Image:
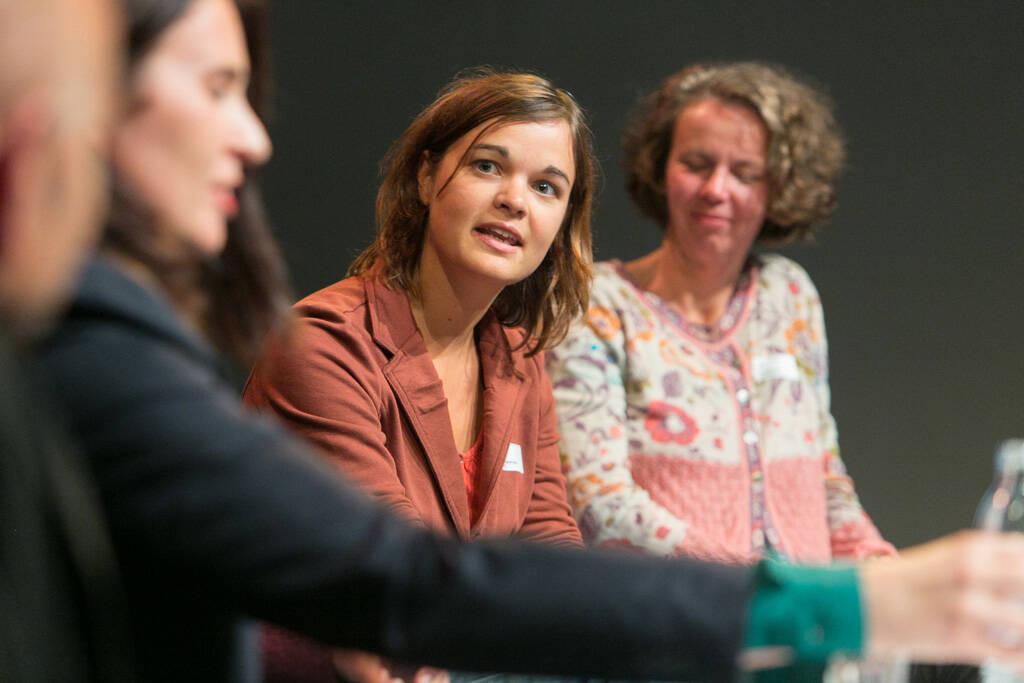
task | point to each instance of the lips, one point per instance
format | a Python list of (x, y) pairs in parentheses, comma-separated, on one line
[(504, 233), (499, 238), (712, 219), (226, 200)]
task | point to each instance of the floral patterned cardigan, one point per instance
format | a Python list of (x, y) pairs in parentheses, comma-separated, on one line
[(710, 441)]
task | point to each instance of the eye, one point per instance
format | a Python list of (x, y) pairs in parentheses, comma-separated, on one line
[(695, 165), (547, 188), (485, 166), (223, 83), (749, 177), (219, 87)]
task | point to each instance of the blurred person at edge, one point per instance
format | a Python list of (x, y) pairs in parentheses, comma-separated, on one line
[(218, 515), (421, 375), (62, 614), (693, 397)]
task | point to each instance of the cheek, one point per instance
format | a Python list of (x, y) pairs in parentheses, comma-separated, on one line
[(755, 203), (553, 223), (679, 187), (169, 147)]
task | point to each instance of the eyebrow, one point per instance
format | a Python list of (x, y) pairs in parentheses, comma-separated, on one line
[(503, 152), (738, 162), (231, 73)]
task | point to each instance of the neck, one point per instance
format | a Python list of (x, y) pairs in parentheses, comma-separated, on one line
[(700, 294), (446, 311)]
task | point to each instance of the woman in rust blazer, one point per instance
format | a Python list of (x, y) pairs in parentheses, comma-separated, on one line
[(421, 375)]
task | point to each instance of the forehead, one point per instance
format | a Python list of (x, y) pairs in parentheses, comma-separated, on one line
[(714, 122), (209, 33), (541, 143)]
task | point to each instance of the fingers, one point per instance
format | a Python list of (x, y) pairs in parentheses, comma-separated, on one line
[(361, 667), (428, 674), (958, 599)]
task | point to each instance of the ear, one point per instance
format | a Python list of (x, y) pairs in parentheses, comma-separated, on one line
[(425, 179)]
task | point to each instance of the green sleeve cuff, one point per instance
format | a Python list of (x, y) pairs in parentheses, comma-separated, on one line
[(815, 611)]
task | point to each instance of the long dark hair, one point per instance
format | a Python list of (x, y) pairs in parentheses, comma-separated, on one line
[(237, 296)]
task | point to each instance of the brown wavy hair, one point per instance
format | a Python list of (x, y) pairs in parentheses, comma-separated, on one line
[(546, 302), (805, 148), (239, 295)]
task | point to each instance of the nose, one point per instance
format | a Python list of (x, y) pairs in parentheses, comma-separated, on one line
[(511, 198), (715, 186), (252, 143)]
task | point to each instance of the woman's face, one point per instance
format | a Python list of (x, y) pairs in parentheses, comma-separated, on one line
[(190, 132), (715, 185), (492, 223)]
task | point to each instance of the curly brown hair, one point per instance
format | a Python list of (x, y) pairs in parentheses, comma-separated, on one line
[(804, 145), (545, 303)]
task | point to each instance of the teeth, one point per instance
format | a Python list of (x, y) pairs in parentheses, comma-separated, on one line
[(502, 235)]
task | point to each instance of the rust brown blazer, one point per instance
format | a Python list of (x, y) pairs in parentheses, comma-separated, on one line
[(355, 378)]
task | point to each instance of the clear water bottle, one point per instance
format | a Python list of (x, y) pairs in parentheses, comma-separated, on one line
[(1002, 509), (841, 669)]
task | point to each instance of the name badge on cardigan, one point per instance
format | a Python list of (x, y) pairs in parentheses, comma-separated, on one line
[(774, 366), (513, 459)]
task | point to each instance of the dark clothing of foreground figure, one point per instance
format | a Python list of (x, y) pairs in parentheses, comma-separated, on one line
[(218, 515), (61, 607)]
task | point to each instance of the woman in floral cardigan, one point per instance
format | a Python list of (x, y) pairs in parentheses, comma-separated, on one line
[(693, 397)]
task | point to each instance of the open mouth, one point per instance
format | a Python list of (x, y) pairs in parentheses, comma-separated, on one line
[(500, 235)]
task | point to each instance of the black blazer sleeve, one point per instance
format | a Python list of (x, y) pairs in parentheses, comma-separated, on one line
[(216, 510)]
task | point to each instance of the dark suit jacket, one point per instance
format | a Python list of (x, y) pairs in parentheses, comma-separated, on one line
[(355, 378), (61, 604), (218, 515)]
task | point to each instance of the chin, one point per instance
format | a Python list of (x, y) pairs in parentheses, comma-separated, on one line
[(211, 238), (503, 277)]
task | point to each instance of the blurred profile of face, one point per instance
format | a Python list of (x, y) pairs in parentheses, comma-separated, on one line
[(715, 186), (61, 183), (190, 131)]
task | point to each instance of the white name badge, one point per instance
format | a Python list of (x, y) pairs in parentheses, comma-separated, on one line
[(513, 459), (774, 366)]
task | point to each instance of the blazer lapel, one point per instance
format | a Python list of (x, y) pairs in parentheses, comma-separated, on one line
[(504, 390), (420, 393)]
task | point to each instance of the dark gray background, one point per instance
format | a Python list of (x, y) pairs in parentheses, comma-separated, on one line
[(920, 270)]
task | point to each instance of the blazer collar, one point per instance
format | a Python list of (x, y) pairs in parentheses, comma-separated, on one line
[(393, 327), (411, 375)]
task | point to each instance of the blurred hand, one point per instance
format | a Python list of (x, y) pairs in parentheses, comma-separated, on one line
[(957, 599), (364, 667), (426, 674)]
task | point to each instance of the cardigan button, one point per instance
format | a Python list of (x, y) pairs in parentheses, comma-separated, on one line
[(742, 395), (750, 437)]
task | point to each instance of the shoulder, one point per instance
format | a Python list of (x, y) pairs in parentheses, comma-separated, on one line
[(115, 327), (333, 319), (345, 300), (329, 342), (783, 278), (778, 268), (609, 285), (614, 302)]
